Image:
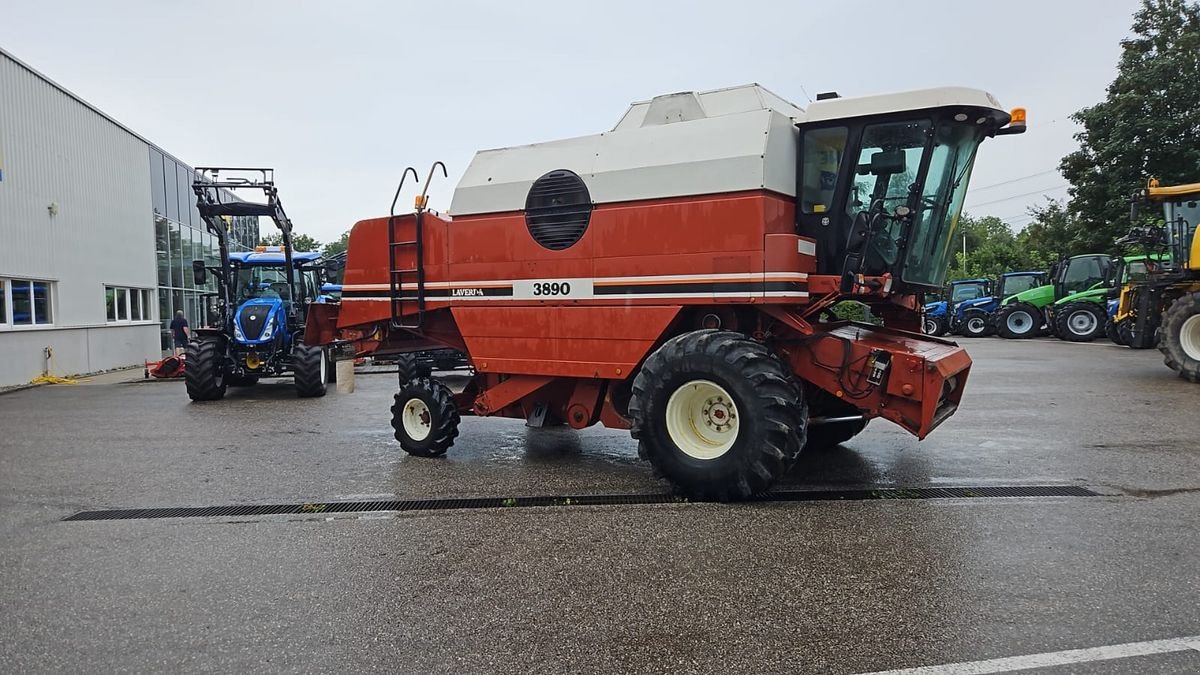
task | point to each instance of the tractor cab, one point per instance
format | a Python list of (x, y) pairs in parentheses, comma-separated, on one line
[(882, 182), (1177, 236), (1019, 282), (940, 314), (1082, 273), (266, 305)]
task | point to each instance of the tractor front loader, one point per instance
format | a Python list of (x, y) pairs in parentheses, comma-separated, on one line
[(667, 277), (263, 296)]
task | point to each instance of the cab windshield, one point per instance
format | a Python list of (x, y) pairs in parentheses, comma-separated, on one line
[(1182, 216), (963, 292), (262, 282), (935, 228), (1020, 284)]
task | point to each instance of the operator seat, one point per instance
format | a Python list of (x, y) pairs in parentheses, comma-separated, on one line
[(282, 290)]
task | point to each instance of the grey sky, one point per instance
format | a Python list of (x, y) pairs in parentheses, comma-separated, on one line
[(340, 96)]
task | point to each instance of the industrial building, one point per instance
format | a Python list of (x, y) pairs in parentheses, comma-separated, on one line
[(98, 228)]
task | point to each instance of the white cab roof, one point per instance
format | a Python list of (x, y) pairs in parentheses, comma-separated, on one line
[(683, 144)]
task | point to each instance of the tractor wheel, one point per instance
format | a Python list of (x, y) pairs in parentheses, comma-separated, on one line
[(204, 375), (409, 369), (1018, 321), (975, 324), (241, 380), (935, 326), (310, 370), (1079, 321), (424, 417), (717, 415), (1116, 332), (1179, 338)]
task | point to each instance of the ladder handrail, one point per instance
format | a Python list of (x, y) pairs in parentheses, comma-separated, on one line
[(396, 282)]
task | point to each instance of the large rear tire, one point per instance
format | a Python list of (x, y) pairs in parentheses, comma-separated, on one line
[(1179, 337), (717, 415), (310, 370), (1079, 321), (1018, 321), (204, 373), (424, 417)]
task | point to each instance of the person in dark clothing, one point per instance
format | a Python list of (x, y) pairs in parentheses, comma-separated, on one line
[(180, 332)]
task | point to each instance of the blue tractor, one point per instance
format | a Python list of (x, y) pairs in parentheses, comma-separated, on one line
[(974, 318), (257, 327), (940, 314)]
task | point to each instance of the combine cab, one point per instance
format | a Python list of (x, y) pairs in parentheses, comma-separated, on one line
[(667, 276)]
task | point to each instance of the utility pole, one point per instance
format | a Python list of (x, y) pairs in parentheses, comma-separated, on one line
[(965, 253)]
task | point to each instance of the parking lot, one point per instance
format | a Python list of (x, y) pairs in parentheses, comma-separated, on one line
[(850, 585)]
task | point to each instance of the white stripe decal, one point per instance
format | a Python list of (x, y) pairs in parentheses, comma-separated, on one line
[(501, 283), (598, 298), (1051, 659)]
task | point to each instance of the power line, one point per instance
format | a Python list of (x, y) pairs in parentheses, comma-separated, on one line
[(1024, 194), (1013, 180)]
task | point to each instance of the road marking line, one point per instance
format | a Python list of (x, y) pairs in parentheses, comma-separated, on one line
[(1050, 659)]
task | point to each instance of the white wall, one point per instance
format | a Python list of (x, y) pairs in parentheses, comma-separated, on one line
[(56, 150)]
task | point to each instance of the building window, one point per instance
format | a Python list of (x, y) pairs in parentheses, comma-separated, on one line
[(123, 305), (26, 302)]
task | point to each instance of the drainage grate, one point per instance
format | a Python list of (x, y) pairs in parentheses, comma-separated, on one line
[(575, 500)]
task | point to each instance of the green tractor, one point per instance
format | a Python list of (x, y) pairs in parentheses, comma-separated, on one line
[(1072, 306)]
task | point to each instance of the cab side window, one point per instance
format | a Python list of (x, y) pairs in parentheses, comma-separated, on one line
[(823, 151)]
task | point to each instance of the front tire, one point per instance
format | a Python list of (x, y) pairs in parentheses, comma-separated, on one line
[(1179, 337), (424, 417), (717, 415), (1079, 321), (935, 326), (204, 372), (1018, 321), (310, 370), (975, 324)]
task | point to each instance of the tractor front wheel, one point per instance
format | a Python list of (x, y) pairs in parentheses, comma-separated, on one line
[(935, 326), (1079, 321), (717, 415), (310, 370), (204, 374), (975, 324), (424, 417), (1179, 338), (1117, 332), (1018, 321)]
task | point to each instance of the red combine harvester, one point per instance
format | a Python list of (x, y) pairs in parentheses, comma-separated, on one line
[(672, 276)]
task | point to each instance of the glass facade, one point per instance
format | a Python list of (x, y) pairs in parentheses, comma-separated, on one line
[(180, 237)]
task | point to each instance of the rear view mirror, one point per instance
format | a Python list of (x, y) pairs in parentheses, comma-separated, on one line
[(199, 272), (888, 162), (850, 272)]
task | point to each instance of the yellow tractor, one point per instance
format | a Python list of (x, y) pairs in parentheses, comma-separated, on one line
[(1163, 307)]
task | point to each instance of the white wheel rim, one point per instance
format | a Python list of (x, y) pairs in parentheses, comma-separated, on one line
[(417, 419), (324, 366), (975, 325), (1082, 322), (1019, 322), (1189, 337), (930, 326), (702, 419)]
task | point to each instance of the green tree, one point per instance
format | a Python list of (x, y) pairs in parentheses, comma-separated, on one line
[(1148, 125), (300, 242), (338, 246)]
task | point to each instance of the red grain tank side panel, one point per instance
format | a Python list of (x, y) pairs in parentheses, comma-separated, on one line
[(568, 341)]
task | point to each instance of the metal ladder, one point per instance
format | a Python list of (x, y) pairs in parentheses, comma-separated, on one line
[(407, 284)]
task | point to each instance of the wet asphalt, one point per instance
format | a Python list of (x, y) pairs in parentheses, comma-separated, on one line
[(821, 586)]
